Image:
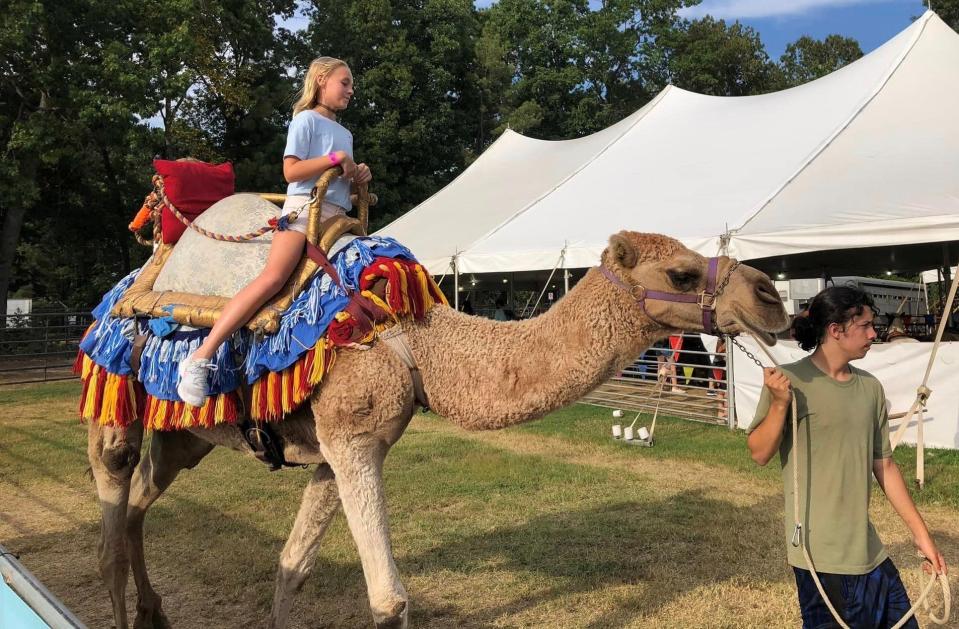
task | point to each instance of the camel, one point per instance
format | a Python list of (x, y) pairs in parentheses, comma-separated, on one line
[(480, 374)]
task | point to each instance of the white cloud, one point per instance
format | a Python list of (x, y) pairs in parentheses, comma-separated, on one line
[(732, 9)]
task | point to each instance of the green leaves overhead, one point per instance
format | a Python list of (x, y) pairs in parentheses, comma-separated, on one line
[(807, 59), (92, 90)]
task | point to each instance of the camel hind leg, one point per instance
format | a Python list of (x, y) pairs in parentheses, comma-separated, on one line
[(320, 503), (113, 453), (167, 455)]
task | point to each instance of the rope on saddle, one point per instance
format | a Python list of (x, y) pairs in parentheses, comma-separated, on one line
[(154, 203)]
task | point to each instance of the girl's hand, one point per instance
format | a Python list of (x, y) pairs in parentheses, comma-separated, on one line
[(362, 174), (778, 385), (347, 164)]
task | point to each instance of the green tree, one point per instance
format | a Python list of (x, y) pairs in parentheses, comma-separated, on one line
[(68, 125), (948, 10), (237, 107), (710, 57), (413, 115), (576, 69), (807, 59), (79, 78)]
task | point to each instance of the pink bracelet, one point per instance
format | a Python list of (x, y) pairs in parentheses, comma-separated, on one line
[(333, 158)]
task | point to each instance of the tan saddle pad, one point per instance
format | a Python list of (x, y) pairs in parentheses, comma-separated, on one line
[(199, 274)]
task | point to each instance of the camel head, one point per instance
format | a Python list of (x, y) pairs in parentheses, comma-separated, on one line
[(672, 284)]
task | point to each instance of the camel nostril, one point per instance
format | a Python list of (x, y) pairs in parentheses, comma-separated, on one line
[(767, 293)]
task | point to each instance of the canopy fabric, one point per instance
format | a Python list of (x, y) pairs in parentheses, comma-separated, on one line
[(888, 177), (865, 156)]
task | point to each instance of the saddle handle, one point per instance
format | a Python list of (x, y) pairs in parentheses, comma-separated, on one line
[(363, 200), (361, 197)]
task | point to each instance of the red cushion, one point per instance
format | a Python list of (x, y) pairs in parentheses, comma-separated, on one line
[(192, 187)]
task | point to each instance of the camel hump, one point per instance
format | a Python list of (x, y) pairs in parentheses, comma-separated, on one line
[(200, 265)]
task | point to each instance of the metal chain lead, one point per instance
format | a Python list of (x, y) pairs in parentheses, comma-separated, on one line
[(748, 353), (725, 280)]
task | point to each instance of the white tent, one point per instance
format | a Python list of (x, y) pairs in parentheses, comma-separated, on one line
[(866, 156)]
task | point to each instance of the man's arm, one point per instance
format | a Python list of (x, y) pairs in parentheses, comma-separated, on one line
[(763, 442), (890, 480)]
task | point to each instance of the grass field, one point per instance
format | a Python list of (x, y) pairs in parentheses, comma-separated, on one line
[(551, 524)]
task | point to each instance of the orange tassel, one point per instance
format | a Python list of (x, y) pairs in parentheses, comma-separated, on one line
[(143, 216)]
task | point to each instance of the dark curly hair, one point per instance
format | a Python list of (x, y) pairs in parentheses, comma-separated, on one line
[(836, 304)]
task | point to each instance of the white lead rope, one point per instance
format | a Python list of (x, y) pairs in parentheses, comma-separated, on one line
[(800, 541)]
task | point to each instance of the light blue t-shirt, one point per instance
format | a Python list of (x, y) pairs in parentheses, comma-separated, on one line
[(312, 135)]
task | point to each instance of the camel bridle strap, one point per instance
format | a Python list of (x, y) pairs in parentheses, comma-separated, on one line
[(706, 299)]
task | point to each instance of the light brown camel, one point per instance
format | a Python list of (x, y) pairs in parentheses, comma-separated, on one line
[(481, 374)]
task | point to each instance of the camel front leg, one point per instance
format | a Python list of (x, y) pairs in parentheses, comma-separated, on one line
[(114, 453), (168, 454), (357, 461), (319, 505)]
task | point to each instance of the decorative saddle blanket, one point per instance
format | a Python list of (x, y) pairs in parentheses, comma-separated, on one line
[(281, 369)]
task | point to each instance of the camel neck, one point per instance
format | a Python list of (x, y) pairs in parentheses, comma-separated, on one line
[(485, 374)]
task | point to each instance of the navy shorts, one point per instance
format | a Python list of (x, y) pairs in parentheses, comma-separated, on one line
[(865, 601)]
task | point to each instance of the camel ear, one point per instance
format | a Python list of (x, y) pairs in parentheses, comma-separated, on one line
[(623, 251)]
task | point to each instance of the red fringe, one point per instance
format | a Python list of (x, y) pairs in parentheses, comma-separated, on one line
[(106, 398), (176, 415), (277, 393), (120, 400)]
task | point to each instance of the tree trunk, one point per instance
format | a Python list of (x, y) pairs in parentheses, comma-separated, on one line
[(123, 238), (9, 239)]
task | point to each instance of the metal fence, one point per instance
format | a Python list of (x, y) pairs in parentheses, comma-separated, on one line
[(695, 383), (40, 347)]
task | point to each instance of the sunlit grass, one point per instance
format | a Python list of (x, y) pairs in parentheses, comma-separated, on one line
[(550, 524)]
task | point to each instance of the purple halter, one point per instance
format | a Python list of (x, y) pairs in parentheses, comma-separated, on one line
[(706, 300)]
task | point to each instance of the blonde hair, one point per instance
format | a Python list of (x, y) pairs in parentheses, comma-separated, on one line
[(320, 68)]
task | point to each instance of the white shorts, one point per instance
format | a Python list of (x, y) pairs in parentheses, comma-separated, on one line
[(296, 201)]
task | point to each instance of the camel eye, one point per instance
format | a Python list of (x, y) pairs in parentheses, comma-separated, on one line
[(683, 280)]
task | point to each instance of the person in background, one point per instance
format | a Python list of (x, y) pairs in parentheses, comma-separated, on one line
[(717, 384)]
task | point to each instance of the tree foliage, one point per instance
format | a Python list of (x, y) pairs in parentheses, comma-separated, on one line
[(91, 91), (807, 59)]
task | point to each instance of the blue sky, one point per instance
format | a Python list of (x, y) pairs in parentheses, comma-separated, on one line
[(871, 22), (779, 22)]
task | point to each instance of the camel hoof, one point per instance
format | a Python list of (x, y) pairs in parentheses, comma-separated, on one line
[(151, 618), (397, 618)]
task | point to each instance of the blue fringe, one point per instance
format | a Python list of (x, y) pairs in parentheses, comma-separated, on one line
[(311, 313), (160, 362), (110, 341)]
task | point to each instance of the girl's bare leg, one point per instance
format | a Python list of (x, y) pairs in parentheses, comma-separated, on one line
[(285, 252)]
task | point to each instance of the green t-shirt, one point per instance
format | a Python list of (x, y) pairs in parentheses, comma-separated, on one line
[(843, 428)]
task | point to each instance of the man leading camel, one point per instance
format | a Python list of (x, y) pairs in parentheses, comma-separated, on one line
[(843, 440)]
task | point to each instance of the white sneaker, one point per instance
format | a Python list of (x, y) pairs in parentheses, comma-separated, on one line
[(192, 387)]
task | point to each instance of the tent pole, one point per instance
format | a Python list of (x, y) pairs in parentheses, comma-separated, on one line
[(456, 284), (565, 271), (733, 421), (947, 281)]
